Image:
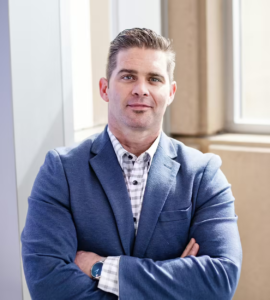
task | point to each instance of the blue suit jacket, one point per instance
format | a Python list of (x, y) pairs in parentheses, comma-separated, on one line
[(80, 202)]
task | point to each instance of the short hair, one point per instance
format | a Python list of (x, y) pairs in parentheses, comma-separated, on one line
[(140, 38)]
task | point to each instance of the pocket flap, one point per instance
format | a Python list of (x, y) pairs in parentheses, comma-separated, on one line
[(175, 215)]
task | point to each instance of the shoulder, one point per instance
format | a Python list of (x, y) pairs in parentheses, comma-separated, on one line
[(70, 159), (79, 151), (193, 159)]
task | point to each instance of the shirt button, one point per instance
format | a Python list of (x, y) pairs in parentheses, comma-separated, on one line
[(135, 182), (130, 157)]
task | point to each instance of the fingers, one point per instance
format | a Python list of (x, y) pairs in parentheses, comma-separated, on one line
[(191, 249), (188, 247), (195, 249)]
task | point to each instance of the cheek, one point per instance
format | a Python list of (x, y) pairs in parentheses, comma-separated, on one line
[(162, 101), (161, 97), (117, 96)]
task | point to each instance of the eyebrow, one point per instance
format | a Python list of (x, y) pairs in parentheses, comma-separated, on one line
[(130, 71)]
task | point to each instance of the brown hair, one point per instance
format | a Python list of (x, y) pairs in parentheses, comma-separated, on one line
[(140, 38)]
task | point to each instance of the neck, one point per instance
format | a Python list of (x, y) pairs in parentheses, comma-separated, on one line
[(135, 141)]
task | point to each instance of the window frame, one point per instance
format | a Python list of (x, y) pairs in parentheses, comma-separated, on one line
[(233, 121)]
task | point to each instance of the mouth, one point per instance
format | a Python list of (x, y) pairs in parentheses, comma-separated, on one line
[(139, 106)]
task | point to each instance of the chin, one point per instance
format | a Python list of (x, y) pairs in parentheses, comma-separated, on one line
[(146, 122), (139, 125)]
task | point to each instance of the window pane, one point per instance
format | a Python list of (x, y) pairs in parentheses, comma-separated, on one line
[(255, 54), (81, 64)]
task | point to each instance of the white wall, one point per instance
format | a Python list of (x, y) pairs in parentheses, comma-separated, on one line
[(37, 91), (10, 272), (33, 116), (37, 88)]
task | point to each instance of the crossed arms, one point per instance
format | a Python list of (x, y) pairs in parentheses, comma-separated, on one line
[(49, 247)]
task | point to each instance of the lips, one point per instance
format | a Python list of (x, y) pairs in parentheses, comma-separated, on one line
[(139, 105)]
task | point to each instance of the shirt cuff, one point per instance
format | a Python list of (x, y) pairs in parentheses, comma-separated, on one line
[(109, 281)]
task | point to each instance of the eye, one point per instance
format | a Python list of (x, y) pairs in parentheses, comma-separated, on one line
[(154, 79), (127, 77)]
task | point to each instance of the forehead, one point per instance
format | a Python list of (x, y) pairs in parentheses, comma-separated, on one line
[(142, 60)]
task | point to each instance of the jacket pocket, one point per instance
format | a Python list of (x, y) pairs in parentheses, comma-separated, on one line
[(175, 215)]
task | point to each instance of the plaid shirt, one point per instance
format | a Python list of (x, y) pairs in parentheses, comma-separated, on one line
[(135, 172)]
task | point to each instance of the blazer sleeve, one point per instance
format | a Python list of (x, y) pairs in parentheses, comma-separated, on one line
[(49, 241), (211, 275)]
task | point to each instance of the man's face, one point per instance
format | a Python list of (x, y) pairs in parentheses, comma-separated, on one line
[(139, 89)]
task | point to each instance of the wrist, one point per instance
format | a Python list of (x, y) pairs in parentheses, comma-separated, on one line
[(96, 269), (85, 260)]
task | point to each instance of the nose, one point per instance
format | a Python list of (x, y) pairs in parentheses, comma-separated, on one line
[(140, 89)]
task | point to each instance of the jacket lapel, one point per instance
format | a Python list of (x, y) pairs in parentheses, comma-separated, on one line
[(109, 173), (160, 178)]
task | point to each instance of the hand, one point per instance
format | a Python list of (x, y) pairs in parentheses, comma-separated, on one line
[(191, 249), (85, 260)]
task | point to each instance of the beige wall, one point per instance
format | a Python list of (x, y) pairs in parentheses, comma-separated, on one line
[(248, 170), (246, 164), (183, 29), (196, 28), (197, 115)]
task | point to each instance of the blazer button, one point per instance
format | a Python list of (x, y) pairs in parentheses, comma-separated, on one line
[(135, 182)]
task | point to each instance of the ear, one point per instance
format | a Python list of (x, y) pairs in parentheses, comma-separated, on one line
[(172, 92), (103, 89)]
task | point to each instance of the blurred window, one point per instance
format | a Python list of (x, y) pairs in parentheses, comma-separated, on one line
[(251, 66), (81, 64), (255, 59), (85, 39)]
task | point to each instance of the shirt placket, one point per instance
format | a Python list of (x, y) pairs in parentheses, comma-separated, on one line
[(138, 179)]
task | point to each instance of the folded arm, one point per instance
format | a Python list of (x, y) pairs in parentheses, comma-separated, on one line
[(49, 241), (215, 272), (109, 280), (49, 246)]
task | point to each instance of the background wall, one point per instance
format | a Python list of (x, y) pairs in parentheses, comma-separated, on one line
[(10, 273), (36, 109), (246, 164), (247, 169), (197, 28), (36, 94), (37, 101)]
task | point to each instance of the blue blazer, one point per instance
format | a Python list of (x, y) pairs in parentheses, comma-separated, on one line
[(79, 201)]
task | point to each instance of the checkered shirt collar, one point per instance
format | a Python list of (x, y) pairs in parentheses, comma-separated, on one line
[(120, 151)]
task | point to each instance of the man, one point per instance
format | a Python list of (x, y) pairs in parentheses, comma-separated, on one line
[(131, 212)]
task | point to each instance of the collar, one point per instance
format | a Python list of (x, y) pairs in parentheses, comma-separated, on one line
[(120, 150)]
